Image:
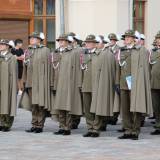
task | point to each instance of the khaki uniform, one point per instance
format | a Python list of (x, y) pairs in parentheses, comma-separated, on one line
[(54, 67), (76, 118), (62, 116), (88, 66), (36, 75), (134, 62), (38, 113), (8, 89), (155, 85), (68, 98), (112, 119), (103, 92)]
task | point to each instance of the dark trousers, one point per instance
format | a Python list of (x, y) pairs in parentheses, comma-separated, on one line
[(131, 120), (64, 120), (93, 121), (156, 106), (6, 120), (38, 114), (75, 120)]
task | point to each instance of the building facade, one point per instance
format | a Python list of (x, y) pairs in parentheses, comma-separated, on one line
[(19, 18)]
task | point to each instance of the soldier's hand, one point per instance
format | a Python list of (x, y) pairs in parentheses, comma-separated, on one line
[(80, 89), (54, 92), (117, 89)]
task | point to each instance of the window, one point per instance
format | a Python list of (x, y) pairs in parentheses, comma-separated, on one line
[(44, 20), (139, 15), (50, 7), (38, 7), (38, 25)]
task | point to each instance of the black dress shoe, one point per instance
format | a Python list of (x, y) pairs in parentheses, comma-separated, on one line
[(103, 129), (152, 117), (59, 132), (95, 135), (142, 123), (74, 127), (38, 130), (66, 133), (125, 136), (1, 128), (121, 130), (113, 122), (5, 129), (88, 134), (134, 137), (31, 130), (156, 132)]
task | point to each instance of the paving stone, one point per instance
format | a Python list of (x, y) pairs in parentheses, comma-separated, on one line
[(19, 145)]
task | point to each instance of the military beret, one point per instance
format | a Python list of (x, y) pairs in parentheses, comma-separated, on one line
[(64, 37), (112, 36), (7, 42), (38, 35), (129, 33), (91, 38)]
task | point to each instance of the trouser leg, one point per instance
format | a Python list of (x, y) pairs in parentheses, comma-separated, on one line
[(126, 114), (136, 123), (87, 98), (75, 121), (97, 124), (115, 117), (38, 114), (35, 116), (7, 121), (68, 121), (41, 116), (156, 106), (143, 117), (64, 120), (104, 123), (34, 111)]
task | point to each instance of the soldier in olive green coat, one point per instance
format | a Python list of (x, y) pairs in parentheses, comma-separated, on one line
[(135, 86), (114, 49), (36, 76), (8, 86), (103, 89), (155, 82), (88, 65), (67, 99), (76, 46)]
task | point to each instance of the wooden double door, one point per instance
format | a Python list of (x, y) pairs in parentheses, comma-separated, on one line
[(15, 29)]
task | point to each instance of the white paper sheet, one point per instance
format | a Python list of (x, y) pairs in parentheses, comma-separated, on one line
[(129, 82)]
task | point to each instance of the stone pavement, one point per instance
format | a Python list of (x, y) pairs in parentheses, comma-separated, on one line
[(18, 145)]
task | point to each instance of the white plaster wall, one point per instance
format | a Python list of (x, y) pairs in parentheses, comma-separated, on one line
[(95, 16), (152, 25)]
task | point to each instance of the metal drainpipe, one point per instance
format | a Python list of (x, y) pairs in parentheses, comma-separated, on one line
[(130, 14), (62, 19)]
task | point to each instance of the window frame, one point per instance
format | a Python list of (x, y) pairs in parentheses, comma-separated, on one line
[(136, 18), (44, 18)]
